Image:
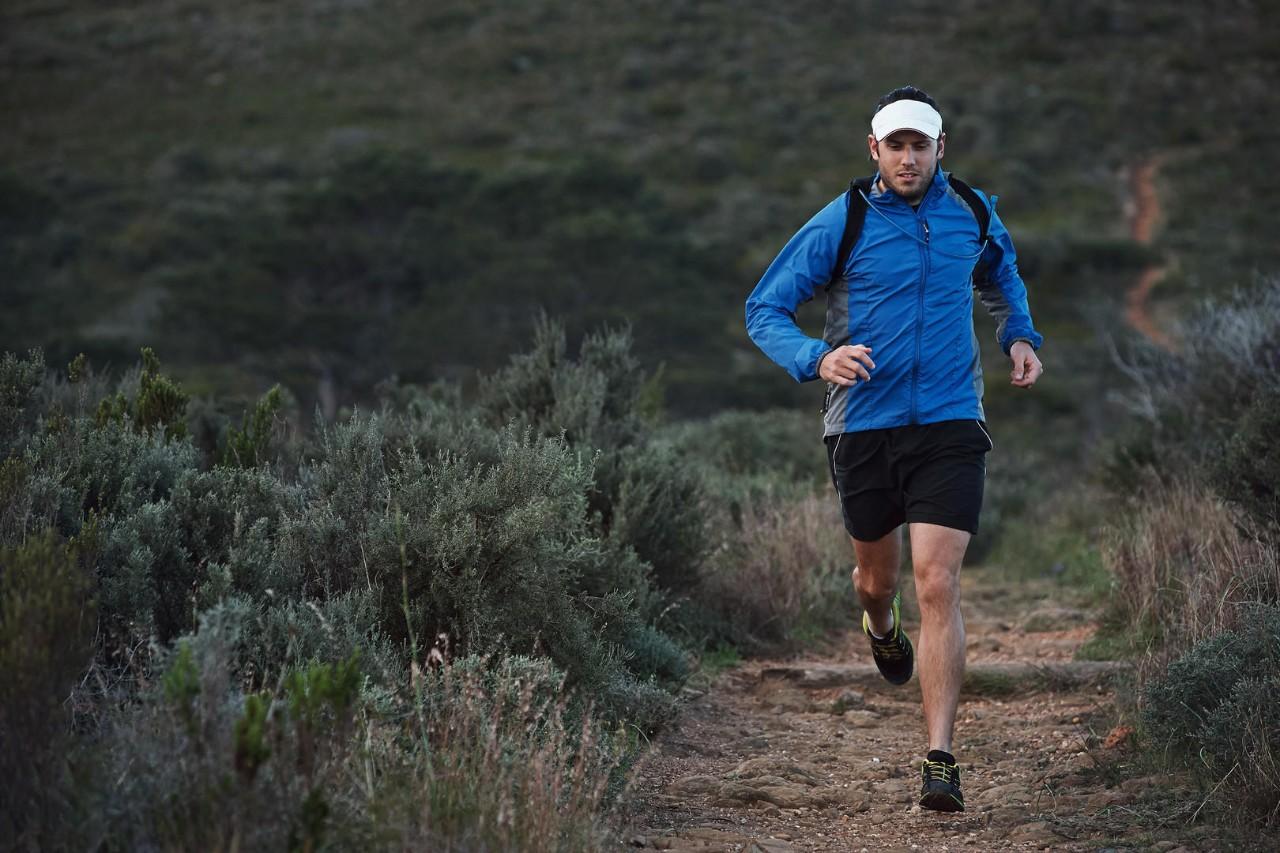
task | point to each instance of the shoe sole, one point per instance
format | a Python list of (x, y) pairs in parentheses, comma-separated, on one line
[(940, 802)]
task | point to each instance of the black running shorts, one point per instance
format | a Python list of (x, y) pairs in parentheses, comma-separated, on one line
[(932, 473)]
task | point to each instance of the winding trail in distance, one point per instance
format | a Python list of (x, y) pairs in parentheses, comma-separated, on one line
[(1146, 212)]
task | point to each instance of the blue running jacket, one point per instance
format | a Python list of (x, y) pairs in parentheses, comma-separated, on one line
[(906, 292)]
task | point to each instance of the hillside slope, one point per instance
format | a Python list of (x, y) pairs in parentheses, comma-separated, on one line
[(329, 192)]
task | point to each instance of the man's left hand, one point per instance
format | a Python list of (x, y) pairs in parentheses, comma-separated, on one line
[(1026, 366)]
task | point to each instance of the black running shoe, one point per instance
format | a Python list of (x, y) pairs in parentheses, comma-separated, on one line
[(941, 791), (893, 655)]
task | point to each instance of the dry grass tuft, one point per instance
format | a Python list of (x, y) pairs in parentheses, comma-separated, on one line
[(789, 553), (1183, 566), (500, 762)]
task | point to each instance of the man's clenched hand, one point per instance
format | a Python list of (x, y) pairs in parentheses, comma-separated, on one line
[(846, 365), (1026, 366)]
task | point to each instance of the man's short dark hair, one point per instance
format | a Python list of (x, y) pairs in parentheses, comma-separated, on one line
[(905, 93)]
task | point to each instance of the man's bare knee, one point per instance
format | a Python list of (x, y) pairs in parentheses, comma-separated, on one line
[(874, 584), (937, 589)]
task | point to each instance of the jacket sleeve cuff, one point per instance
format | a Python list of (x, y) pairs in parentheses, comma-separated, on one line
[(1032, 337), (806, 360)]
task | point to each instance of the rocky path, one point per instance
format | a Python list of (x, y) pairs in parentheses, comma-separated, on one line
[(820, 754)]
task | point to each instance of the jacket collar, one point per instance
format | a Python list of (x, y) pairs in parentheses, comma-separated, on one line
[(887, 196)]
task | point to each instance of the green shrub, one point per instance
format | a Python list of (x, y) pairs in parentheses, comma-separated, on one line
[(159, 403), (199, 765), (1241, 740), (20, 378), (643, 495), (77, 466), (650, 499), (166, 558), (46, 634), (489, 537), (473, 753), (654, 654), (329, 630), (734, 447), (229, 521), (248, 445), (592, 399), (1189, 403), (1213, 710), (230, 596), (342, 500), (492, 553), (508, 541), (1248, 471), (15, 499)]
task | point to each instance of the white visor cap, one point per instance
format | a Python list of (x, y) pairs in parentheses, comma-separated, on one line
[(906, 115)]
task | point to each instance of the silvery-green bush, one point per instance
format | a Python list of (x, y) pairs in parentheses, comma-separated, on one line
[(1213, 710), (547, 520), (1187, 404)]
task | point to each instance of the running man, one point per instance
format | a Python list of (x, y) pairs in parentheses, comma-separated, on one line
[(899, 257)]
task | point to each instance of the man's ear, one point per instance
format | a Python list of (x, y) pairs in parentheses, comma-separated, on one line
[(873, 149), (942, 143)]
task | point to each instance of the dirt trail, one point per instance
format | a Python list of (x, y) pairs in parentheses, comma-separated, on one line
[(823, 755), (1144, 214)]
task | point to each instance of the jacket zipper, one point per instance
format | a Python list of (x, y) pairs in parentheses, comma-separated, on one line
[(924, 273)]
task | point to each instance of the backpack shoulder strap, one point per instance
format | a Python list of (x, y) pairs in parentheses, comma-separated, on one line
[(975, 203), (856, 203)]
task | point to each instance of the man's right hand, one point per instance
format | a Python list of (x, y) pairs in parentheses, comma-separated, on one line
[(846, 365)]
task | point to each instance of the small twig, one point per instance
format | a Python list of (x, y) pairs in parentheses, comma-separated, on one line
[(1046, 787), (640, 731), (1209, 796)]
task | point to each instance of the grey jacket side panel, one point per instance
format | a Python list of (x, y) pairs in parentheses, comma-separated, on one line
[(992, 299), (836, 334), (975, 368)]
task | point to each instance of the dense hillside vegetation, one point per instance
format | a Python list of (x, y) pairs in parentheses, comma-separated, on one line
[(490, 603), (323, 192), (459, 458)]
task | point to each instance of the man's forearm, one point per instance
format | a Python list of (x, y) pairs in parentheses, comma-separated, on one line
[(775, 332)]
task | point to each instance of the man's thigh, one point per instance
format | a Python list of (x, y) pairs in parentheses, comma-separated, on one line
[(935, 547)]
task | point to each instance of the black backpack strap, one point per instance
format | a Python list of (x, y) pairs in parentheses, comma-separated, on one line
[(975, 203), (856, 203)]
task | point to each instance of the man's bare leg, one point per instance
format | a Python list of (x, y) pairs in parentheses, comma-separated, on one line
[(875, 578), (936, 553)]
